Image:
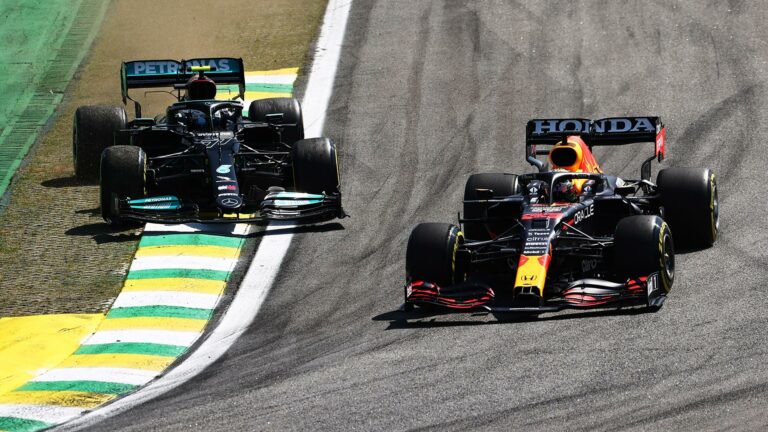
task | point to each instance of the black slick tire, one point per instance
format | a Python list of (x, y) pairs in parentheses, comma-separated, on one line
[(93, 129), (315, 166), (501, 185), (431, 253), (123, 174), (290, 108), (643, 245), (689, 198)]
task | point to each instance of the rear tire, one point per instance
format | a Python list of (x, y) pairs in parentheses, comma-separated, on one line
[(502, 185), (431, 253), (643, 245), (291, 110), (315, 166), (123, 174), (689, 198), (93, 130)]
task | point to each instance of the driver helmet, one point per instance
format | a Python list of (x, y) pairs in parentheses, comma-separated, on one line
[(200, 88), (566, 156), (565, 191)]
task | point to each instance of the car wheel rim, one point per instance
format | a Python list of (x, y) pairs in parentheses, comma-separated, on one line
[(669, 258)]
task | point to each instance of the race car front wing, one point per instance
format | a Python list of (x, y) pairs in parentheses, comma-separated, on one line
[(302, 208), (580, 294)]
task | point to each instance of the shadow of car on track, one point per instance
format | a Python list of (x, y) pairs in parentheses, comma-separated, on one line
[(105, 233), (398, 319), (693, 249), (63, 182)]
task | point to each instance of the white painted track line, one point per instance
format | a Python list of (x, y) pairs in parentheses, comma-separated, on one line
[(44, 413), (166, 298), (272, 249), (153, 262), (323, 73), (167, 337), (106, 374)]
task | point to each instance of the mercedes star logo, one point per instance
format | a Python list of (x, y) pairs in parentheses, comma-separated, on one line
[(230, 202)]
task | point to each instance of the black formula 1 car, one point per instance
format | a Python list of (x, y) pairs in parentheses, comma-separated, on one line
[(568, 236), (203, 160)]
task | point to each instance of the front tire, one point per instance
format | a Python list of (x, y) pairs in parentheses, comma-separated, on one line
[(431, 253), (93, 130), (123, 174), (315, 166), (689, 198), (643, 245), (290, 108), (502, 185)]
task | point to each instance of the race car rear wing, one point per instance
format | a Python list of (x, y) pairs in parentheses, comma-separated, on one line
[(603, 132), (172, 73)]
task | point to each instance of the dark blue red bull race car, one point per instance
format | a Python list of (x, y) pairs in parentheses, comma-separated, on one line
[(203, 160), (568, 235)]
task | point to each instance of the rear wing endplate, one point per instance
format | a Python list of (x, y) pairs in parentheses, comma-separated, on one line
[(603, 132), (168, 73)]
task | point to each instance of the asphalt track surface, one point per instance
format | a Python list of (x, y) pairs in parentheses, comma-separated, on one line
[(429, 92)]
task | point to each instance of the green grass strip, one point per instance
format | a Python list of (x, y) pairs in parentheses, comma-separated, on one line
[(160, 311), (218, 275), (79, 386), (42, 48), (269, 88), (190, 240), (15, 424), (133, 348)]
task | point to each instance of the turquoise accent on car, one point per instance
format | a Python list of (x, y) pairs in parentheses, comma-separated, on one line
[(295, 203), (167, 202), (296, 195)]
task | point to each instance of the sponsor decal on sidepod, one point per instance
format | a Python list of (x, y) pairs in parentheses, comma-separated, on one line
[(584, 213)]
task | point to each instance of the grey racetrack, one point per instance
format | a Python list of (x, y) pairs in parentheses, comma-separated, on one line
[(429, 92)]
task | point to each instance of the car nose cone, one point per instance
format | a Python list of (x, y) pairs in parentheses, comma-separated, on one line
[(230, 202)]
